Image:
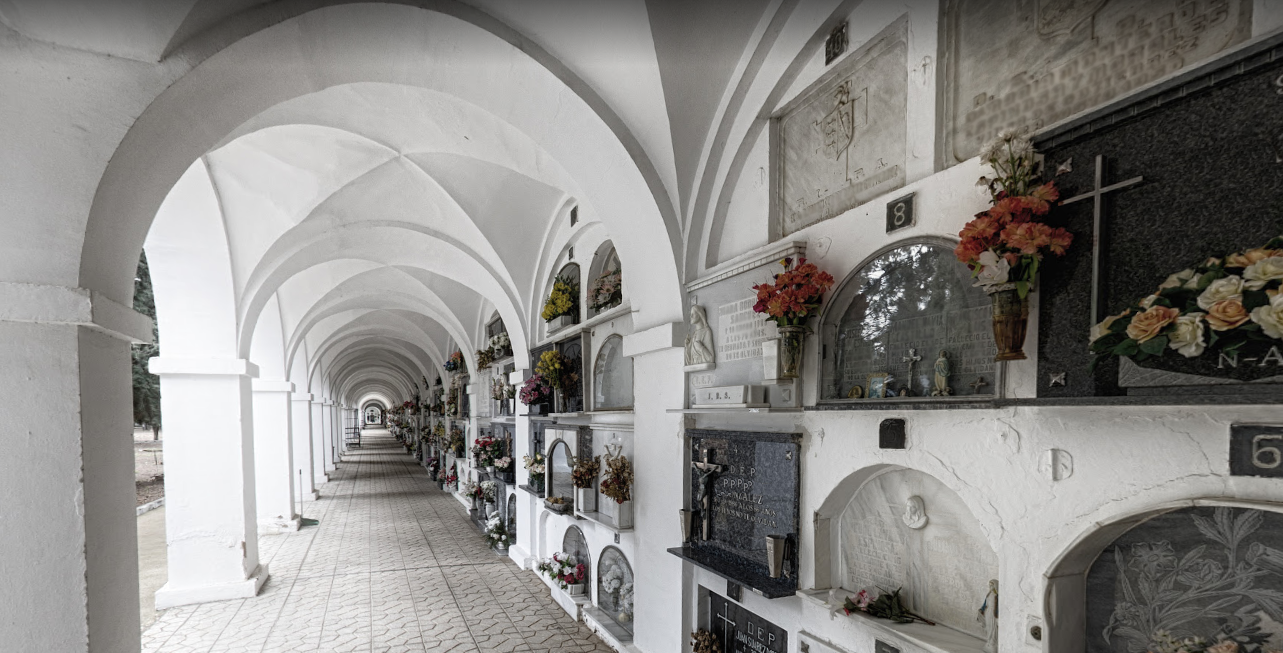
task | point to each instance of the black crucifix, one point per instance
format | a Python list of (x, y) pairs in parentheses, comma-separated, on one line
[(1097, 195), (705, 496)]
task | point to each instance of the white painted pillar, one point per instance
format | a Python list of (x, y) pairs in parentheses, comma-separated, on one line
[(320, 447), (301, 433), (327, 432), (273, 456), (211, 522), (68, 536)]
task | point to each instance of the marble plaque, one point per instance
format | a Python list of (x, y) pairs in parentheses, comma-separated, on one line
[(741, 332), (748, 395), (938, 555), (1012, 63), (1206, 572), (842, 143), (741, 631), (916, 297)]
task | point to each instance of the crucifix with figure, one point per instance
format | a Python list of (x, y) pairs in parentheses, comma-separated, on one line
[(707, 470), (1097, 196), (911, 359)]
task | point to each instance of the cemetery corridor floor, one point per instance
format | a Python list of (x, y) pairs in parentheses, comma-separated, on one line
[(394, 566)]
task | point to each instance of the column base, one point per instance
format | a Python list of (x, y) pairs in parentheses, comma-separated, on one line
[(276, 526), (321, 479), (311, 496), (172, 597)]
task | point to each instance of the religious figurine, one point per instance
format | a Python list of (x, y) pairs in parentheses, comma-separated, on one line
[(699, 342), (988, 615), (915, 513), (904, 391), (942, 388), (911, 359), (703, 495)]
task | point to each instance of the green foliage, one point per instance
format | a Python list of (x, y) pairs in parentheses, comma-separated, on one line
[(146, 386)]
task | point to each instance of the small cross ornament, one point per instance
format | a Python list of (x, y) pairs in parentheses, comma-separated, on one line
[(980, 382)]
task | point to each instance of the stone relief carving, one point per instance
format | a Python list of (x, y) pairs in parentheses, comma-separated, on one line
[(915, 513), (699, 342)]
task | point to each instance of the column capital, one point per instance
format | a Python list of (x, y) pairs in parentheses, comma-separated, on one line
[(262, 385), (303, 396), (62, 305), (163, 365), (670, 335)]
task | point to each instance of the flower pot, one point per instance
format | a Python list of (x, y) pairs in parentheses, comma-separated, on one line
[(490, 469), (501, 549), (489, 509), (619, 513), (791, 340), (560, 322), (537, 484), (575, 590), (586, 499), (1010, 322)]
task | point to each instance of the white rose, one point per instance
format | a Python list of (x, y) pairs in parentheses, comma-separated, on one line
[(1188, 336), (1148, 301), (1270, 317), (1177, 280), (1230, 287), (1263, 271), (994, 269)]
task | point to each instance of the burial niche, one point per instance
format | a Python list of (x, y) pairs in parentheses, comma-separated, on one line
[(908, 323), (1208, 572), (612, 376), (905, 529), (512, 517), (560, 465), (574, 543), (605, 290), (615, 587)]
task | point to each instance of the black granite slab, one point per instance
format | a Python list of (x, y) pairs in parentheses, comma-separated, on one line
[(741, 631), (1209, 144), (747, 575)]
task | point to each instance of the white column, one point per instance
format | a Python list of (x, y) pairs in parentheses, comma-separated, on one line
[(68, 536), (320, 447), (301, 433), (211, 523), (273, 456)]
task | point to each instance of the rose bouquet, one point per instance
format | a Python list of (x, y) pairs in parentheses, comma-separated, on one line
[(585, 471), (795, 294), (1226, 304), (564, 569), (455, 363), (484, 449), (452, 477), (502, 464), (535, 391), (607, 291), (1005, 244), (563, 300), (496, 533), (618, 481), (888, 605)]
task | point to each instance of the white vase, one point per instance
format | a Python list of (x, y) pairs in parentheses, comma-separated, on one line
[(490, 469), (619, 513), (559, 323), (586, 498), (575, 590)]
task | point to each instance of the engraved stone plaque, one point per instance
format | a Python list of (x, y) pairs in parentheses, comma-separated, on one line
[(842, 142), (943, 567), (1009, 64), (741, 631), (916, 297)]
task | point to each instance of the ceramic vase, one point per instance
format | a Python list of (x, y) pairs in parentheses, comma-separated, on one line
[(1010, 322), (586, 499), (575, 590)]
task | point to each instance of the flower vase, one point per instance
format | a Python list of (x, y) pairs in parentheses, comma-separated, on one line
[(586, 497), (792, 339), (490, 470), (1010, 322), (489, 509), (558, 400), (575, 590), (537, 484)]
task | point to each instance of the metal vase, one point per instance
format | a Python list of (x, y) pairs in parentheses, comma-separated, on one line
[(688, 520), (1010, 323), (791, 341), (775, 546)]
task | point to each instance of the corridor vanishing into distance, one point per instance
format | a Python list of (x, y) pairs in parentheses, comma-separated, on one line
[(394, 566)]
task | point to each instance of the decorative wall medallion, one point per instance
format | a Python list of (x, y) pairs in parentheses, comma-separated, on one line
[(915, 513), (1056, 464)]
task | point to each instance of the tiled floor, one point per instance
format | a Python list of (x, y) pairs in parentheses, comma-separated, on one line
[(394, 566)]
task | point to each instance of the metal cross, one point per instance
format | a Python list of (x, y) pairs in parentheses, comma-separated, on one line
[(725, 623), (1097, 195), (707, 470), (911, 359)]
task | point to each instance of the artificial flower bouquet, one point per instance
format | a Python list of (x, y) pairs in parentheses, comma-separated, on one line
[(455, 363), (487, 491), (486, 450), (1225, 305), (1006, 244), (484, 358), (563, 300), (795, 294), (503, 464), (585, 472), (535, 391), (534, 467), (618, 480), (607, 291), (501, 344), (556, 370), (564, 569), (496, 533), (887, 605)]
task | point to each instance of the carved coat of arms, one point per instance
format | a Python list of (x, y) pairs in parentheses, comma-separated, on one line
[(838, 125)]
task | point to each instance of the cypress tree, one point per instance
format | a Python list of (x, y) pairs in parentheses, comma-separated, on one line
[(146, 384)]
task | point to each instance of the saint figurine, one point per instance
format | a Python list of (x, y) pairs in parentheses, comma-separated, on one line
[(988, 615), (699, 342), (942, 388)]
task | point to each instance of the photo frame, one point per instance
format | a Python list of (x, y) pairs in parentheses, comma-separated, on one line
[(856, 392), (876, 388)]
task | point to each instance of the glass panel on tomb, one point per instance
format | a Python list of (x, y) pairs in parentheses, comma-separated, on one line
[(612, 376)]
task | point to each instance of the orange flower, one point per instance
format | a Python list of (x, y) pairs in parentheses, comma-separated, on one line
[(1145, 326), (1226, 314)]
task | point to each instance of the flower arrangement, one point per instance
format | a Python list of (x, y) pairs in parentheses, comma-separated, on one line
[(794, 295), (585, 471), (1004, 244), (535, 391), (888, 605), (455, 363), (1225, 304), (703, 641), (501, 344), (554, 368), (453, 476), (456, 440), (484, 358), (452, 402), (563, 300), (487, 491), (615, 582), (564, 569), (502, 464), (618, 481), (501, 390), (534, 467), (486, 450), (1164, 642), (470, 490), (607, 291), (496, 533)]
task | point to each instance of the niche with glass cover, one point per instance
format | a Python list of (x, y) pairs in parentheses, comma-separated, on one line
[(615, 587), (612, 376), (909, 322)]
